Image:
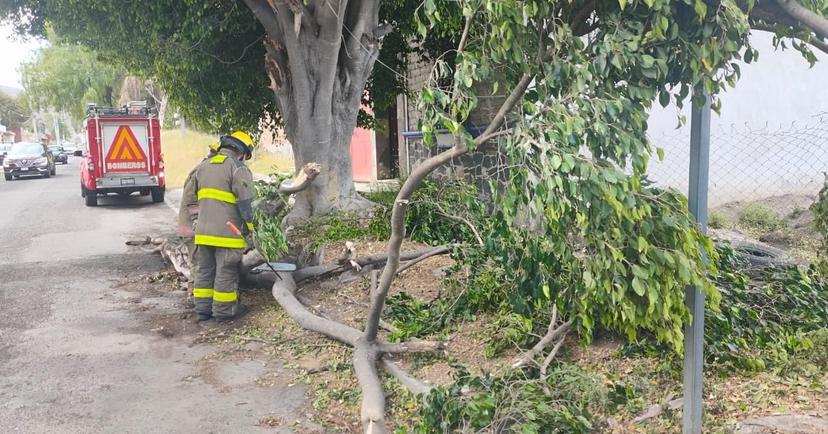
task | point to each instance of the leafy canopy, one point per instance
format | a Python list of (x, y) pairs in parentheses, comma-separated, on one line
[(208, 56)]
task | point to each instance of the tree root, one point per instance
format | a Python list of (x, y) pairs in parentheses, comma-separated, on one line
[(413, 385)]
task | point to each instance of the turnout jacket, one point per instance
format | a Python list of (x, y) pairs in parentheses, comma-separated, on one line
[(188, 211), (223, 189)]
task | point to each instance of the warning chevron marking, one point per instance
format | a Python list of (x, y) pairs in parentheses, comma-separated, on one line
[(125, 153)]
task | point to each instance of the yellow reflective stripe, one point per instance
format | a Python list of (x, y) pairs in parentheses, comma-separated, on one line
[(202, 293), (214, 241), (250, 226), (225, 297), (218, 159), (214, 193)]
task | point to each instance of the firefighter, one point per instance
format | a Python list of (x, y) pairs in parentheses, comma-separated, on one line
[(223, 186), (187, 218)]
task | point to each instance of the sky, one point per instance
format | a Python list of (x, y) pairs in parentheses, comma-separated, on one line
[(14, 52)]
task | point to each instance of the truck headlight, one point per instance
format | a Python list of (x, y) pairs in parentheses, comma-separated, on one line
[(41, 160)]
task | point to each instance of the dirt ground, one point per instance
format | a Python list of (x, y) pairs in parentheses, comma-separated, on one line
[(797, 236)]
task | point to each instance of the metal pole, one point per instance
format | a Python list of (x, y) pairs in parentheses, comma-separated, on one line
[(694, 332)]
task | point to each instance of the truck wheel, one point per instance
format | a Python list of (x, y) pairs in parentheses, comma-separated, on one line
[(8, 177), (91, 198), (54, 170), (157, 194), (47, 175)]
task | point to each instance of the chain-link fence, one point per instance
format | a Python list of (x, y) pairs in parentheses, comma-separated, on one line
[(750, 163)]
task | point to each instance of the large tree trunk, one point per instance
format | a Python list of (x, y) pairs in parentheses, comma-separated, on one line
[(319, 56), (326, 139)]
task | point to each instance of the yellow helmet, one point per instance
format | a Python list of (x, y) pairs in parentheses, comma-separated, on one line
[(240, 142)]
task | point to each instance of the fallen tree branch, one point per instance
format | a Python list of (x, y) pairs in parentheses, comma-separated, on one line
[(365, 357), (317, 271), (372, 412), (656, 410), (415, 261), (411, 347), (553, 333), (551, 356), (283, 292), (414, 385)]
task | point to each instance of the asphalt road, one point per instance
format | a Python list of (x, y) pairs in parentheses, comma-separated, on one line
[(78, 351)]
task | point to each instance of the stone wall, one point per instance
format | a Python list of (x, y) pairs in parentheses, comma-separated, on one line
[(478, 167)]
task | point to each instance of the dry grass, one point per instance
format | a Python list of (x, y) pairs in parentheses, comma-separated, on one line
[(184, 149)]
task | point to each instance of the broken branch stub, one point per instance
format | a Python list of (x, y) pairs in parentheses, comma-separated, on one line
[(302, 180)]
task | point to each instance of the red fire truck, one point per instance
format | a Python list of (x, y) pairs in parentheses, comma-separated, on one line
[(124, 153)]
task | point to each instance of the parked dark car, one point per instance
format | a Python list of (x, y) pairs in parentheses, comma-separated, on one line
[(25, 159), (61, 156), (4, 149)]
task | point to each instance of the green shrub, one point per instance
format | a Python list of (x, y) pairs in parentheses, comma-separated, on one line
[(760, 218), (717, 220)]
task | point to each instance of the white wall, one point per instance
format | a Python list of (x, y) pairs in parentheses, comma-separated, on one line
[(771, 137)]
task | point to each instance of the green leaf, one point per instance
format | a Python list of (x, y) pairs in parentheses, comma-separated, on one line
[(700, 7), (642, 244), (637, 286), (664, 98), (660, 153), (622, 3)]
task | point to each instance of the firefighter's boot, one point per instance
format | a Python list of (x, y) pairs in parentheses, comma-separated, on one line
[(240, 311)]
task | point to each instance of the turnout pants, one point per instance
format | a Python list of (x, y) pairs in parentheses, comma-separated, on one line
[(217, 280), (190, 243)]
